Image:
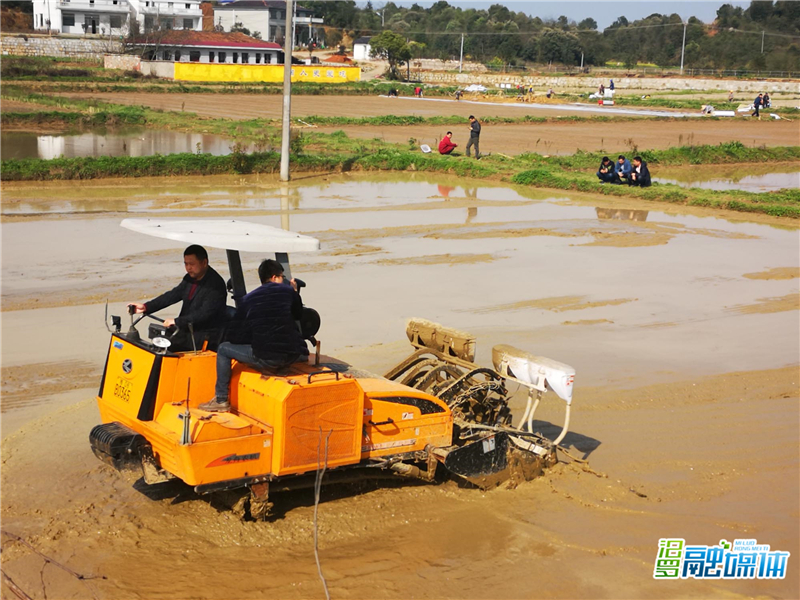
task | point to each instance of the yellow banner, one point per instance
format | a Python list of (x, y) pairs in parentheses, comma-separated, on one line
[(193, 71)]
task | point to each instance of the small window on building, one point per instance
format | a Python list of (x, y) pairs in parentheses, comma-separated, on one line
[(170, 5), (188, 24), (68, 20), (115, 2), (91, 2), (115, 21), (188, 6), (223, 57), (166, 55), (194, 56), (235, 57), (258, 57), (177, 56), (211, 57), (245, 58)]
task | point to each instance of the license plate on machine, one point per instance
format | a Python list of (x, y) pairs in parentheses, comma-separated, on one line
[(122, 389)]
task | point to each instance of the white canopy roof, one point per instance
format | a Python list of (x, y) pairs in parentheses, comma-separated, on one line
[(227, 234)]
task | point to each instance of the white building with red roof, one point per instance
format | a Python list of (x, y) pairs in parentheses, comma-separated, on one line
[(209, 47)]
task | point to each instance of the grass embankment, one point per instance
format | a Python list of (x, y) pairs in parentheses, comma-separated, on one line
[(576, 173), (317, 152)]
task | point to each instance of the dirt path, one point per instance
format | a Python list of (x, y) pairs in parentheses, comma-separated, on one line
[(546, 138)]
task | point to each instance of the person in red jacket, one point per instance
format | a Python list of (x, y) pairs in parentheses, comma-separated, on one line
[(446, 146)]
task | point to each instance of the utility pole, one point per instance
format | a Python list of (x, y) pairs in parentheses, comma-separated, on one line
[(286, 127), (762, 42), (461, 60), (683, 46), (581, 61)]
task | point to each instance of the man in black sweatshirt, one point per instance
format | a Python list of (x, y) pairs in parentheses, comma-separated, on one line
[(263, 333), (204, 296)]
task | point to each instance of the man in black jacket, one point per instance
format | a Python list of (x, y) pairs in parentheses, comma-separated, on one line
[(640, 175), (263, 333), (204, 297), (474, 136)]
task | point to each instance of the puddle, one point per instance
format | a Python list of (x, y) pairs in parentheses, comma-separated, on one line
[(750, 178), (512, 265), (144, 142)]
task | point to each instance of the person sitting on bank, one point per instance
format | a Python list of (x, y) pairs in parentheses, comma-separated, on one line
[(204, 295), (623, 169), (641, 174), (263, 333), (446, 146), (606, 172)]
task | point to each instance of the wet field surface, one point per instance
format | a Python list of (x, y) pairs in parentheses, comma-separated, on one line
[(681, 323)]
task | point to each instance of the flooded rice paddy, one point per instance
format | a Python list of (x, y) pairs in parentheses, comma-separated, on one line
[(682, 325), (751, 178), (139, 142)]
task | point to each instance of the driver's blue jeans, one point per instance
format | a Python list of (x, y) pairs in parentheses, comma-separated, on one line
[(242, 353)]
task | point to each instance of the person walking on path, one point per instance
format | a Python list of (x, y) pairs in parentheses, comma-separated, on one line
[(474, 136), (757, 104)]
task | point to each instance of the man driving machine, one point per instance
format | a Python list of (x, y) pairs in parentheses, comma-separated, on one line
[(203, 293)]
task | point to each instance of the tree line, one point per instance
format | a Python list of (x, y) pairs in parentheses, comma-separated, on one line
[(504, 37)]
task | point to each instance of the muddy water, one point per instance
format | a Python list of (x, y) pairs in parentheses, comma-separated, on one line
[(657, 312), (751, 178), (140, 142)]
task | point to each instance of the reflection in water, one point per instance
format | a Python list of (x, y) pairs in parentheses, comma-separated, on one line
[(444, 191), (621, 214), (22, 144)]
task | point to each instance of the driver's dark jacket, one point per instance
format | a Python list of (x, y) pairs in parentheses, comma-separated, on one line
[(265, 319), (206, 309)]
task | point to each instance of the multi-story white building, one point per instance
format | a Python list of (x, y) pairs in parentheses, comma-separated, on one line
[(90, 17), (166, 14), (115, 17), (267, 18)]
